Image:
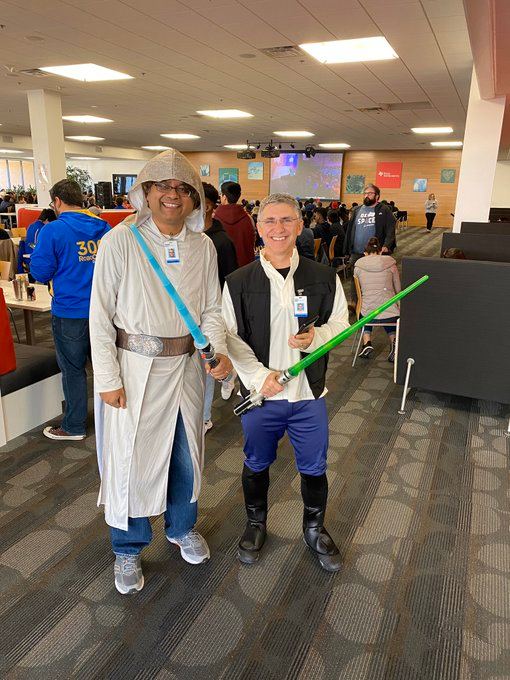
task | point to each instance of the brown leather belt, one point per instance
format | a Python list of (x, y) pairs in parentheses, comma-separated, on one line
[(153, 346)]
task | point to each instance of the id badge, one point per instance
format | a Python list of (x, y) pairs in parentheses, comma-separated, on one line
[(171, 252), (300, 305)]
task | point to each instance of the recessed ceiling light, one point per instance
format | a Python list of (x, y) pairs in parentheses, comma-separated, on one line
[(238, 146), (180, 135), (293, 133), (446, 143), (87, 73), (346, 51), (9, 151), (226, 113), (87, 119), (28, 158), (83, 158), (333, 145), (156, 148), (85, 138), (432, 130)]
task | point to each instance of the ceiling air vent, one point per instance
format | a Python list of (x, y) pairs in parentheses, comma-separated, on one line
[(372, 109), (36, 72), (8, 139), (99, 149), (284, 52), (398, 106)]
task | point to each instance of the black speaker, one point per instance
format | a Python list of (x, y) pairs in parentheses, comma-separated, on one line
[(104, 194)]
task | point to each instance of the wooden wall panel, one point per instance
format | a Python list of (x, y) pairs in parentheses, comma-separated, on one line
[(415, 164)]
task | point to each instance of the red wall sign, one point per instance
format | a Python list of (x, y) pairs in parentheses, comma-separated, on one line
[(388, 175)]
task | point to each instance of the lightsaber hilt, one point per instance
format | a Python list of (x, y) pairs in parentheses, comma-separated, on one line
[(209, 357), (256, 399)]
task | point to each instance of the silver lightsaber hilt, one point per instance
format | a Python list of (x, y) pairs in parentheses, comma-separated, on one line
[(256, 399)]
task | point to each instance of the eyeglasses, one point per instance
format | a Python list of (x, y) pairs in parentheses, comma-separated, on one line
[(369, 193), (180, 190), (286, 221)]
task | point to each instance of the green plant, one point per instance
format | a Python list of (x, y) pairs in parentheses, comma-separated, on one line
[(81, 176)]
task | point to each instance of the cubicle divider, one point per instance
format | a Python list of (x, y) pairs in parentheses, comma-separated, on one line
[(485, 227), (487, 247), (455, 328)]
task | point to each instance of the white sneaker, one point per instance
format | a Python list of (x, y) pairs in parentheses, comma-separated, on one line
[(194, 548), (227, 387), (207, 426), (128, 574)]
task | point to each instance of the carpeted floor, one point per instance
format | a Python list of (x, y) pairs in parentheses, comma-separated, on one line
[(419, 506)]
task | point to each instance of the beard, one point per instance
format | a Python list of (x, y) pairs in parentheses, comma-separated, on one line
[(369, 201)]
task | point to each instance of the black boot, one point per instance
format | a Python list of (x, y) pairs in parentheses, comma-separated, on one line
[(314, 491), (255, 486)]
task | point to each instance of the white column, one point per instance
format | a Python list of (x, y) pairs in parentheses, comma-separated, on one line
[(47, 141), (479, 157)]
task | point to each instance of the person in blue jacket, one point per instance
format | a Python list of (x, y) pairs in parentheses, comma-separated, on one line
[(65, 254), (27, 245)]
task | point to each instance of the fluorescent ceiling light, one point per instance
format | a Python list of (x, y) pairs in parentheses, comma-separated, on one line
[(293, 133), (83, 158), (333, 145), (87, 73), (180, 135), (85, 138), (238, 146), (156, 148), (346, 51), (28, 158), (87, 119), (226, 113), (432, 130), (9, 151), (446, 143)]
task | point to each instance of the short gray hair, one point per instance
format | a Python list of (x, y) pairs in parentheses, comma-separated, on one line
[(286, 199)]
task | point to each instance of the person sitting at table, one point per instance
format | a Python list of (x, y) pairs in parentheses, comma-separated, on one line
[(4, 234)]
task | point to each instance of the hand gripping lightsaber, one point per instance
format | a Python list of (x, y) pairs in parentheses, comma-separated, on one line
[(256, 399), (201, 341)]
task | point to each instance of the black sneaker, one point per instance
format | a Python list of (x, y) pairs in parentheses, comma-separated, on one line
[(391, 355), (366, 350)]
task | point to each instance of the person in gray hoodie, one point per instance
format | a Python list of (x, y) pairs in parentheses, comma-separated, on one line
[(379, 281)]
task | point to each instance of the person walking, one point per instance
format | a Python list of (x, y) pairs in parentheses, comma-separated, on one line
[(431, 206)]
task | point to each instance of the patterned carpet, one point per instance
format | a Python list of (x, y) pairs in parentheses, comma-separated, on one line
[(419, 506)]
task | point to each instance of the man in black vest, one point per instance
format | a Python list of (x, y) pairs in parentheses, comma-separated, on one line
[(264, 305)]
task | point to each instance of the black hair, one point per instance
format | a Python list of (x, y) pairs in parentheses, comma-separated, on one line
[(322, 211), (333, 217), (373, 246), (68, 191), (232, 190), (47, 214), (211, 193), (119, 200)]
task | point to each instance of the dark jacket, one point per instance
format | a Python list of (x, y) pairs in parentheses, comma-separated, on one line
[(250, 291), (384, 228), (238, 225), (225, 249), (305, 243)]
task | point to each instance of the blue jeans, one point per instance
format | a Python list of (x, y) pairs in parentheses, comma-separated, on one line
[(306, 423), (180, 514), (72, 344)]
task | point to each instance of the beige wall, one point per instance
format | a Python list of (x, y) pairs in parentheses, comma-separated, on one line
[(416, 164)]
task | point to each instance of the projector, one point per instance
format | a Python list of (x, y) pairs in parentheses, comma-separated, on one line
[(246, 154), (270, 152)]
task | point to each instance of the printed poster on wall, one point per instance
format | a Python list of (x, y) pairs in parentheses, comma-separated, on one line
[(355, 184), (388, 175), (228, 175), (448, 176), (420, 184), (256, 170), (205, 170)]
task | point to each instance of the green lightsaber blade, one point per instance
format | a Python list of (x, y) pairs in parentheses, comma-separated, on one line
[(324, 349), (256, 399)]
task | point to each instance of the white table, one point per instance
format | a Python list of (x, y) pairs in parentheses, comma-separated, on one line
[(42, 303)]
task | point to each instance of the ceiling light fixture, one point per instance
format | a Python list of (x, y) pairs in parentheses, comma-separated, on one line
[(335, 145), (83, 158), (87, 73), (156, 148), (446, 143), (85, 138), (87, 119), (348, 51), (432, 130), (10, 151), (179, 135), (226, 113), (237, 147), (293, 133)]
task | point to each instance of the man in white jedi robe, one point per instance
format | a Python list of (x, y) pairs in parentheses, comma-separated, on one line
[(146, 371)]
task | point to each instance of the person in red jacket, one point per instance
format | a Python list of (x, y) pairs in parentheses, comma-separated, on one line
[(237, 223)]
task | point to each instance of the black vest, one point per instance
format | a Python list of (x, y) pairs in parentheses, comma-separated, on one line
[(249, 288)]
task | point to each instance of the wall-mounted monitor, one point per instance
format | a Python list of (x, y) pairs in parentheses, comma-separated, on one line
[(317, 177), (123, 183)]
